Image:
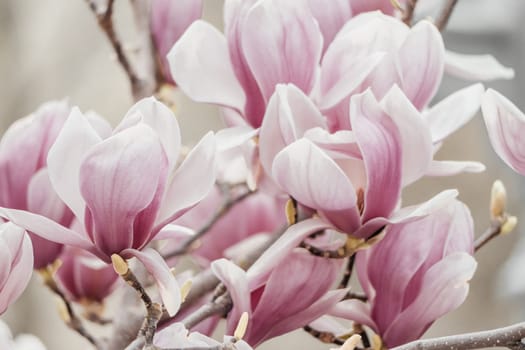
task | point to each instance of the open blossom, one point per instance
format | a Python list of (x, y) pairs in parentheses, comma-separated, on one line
[(84, 277), (16, 263), (416, 274), (125, 188), (279, 295), (24, 179), (505, 125), (169, 19), (21, 342)]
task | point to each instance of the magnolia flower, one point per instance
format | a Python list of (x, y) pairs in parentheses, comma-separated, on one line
[(178, 336), (124, 189), (24, 179), (281, 295), (505, 123), (21, 342), (169, 19), (416, 274), (16, 263), (84, 277)]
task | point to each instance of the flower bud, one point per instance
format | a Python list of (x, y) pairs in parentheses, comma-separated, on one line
[(498, 200)]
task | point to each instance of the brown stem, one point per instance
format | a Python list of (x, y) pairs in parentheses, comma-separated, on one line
[(70, 317), (442, 21), (348, 273), (509, 337), (221, 306), (408, 13), (491, 232), (324, 337), (227, 204)]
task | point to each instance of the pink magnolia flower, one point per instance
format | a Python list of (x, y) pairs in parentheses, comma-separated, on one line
[(21, 342), (24, 179), (84, 277), (169, 19), (124, 189), (416, 274), (505, 124), (279, 295), (16, 263)]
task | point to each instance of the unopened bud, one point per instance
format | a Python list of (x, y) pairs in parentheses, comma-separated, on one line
[(119, 265), (240, 330), (351, 343), (377, 343), (509, 225), (62, 311), (185, 289), (291, 211), (498, 200)]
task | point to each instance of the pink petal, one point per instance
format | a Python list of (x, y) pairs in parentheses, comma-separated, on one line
[(505, 124), (422, 58), (415, 134), (380, 143), (476, 67), (161, 119), (272, 55), (46, 228), (331, 16), (166, 282), (354, 310), (412, 212), (454, 111), (229, 138), (119, 178), (66, 155), (201, 67), (290, 113), (450, 167), (235, 280), (192, 181), (274, 255), (359, 6), (444, 288)]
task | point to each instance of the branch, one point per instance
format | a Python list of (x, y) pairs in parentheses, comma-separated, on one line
[(227, 204), (67, 313), (442, 21), (408, 13), (509, 337), (220, 306)]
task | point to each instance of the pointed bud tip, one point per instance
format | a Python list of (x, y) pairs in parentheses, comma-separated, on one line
[(509, 225), (62, 311), (291, 212), (185, 289), (498, 200), (240, 330), (119, 265)]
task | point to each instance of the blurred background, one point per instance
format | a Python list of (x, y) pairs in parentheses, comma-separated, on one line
[(53, 49)]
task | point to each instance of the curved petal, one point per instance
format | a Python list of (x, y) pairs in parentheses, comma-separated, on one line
[(65, 157), (167, 283), (201, 67), (444, 288), (354, 310), (192, 181), (421, 58), (331, 16), (46, 228), (234, 136), (161, 119), (119, 178), (380, 143), (290, 113), (235, 280), (454, 111), (476, 67), (415, 135), (271, 53), (505, 124), (450, 167), (305, 172)]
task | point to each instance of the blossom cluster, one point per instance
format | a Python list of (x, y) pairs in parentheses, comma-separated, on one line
[(330, 114)]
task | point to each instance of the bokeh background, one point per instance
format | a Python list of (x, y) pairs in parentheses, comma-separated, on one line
[(53, 49)]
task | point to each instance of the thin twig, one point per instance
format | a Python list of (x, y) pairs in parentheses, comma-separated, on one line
[(354, 295), (442, 21), (221, 306), (324, 337), (408, 13), (348, 272), (491, 232), (70, 317), (227, 204), (509, 337)]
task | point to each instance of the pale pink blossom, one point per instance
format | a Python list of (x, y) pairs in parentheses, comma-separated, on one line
[(16, 263), (20, 342), (124, 189), (505, 125), (416, 274), (279, 297), (169, 20), (24, 179), (84, 277)]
